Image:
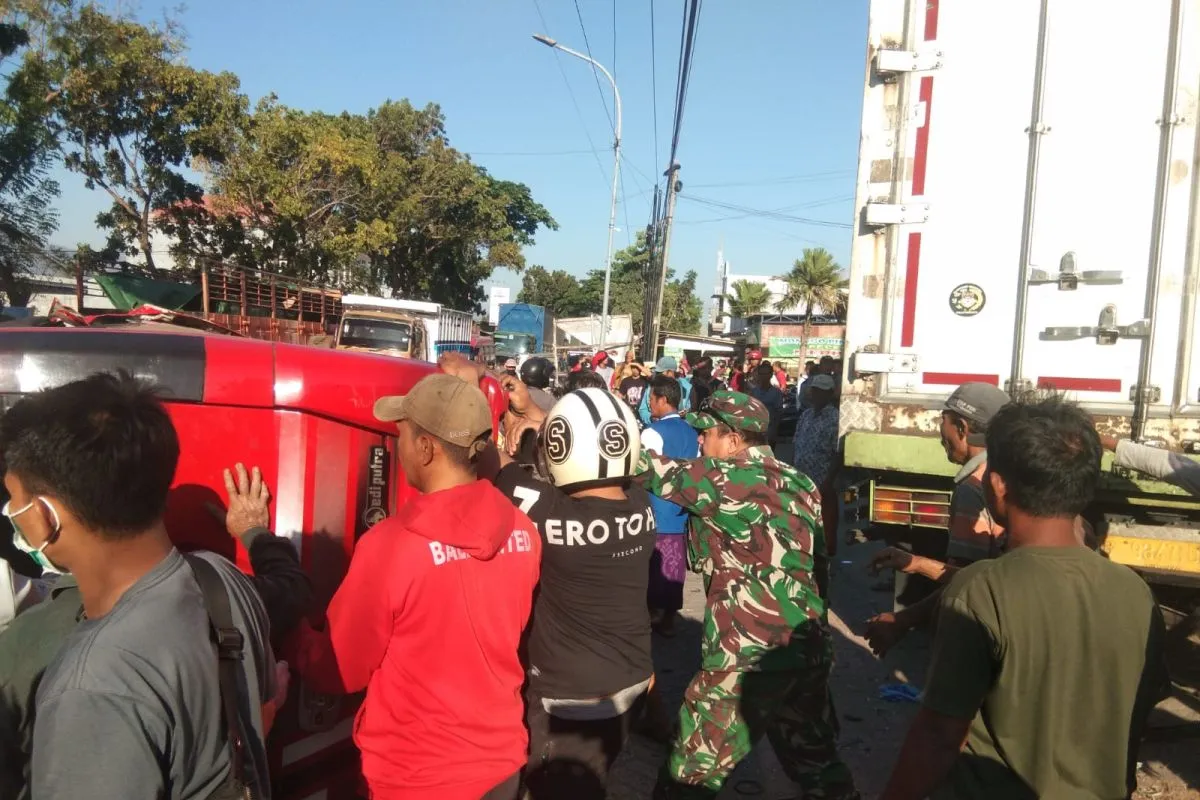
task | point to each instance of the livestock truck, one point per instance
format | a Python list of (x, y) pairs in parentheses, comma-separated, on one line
[(1028, 215), (279, 308)]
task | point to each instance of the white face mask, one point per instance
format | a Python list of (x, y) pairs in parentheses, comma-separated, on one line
[(22, 544)]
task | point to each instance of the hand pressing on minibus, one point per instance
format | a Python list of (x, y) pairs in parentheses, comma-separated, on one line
[(248, 501)]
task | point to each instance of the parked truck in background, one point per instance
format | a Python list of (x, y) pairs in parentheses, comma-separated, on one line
[(580, 336), (278, 308), (1021, 223), (402, 328), (523, 330)]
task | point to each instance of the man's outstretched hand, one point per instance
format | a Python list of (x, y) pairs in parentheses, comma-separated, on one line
[(248, 504), (884, 631), (893, 558), (461, 367)]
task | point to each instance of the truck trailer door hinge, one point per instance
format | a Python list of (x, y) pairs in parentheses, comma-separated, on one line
[(1069, 278), (1105, 332), (1152, 394), (1022, 387), (891, 64), (882, 214), (885, 363)]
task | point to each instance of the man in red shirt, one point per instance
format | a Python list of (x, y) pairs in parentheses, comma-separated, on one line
[(429, 617)]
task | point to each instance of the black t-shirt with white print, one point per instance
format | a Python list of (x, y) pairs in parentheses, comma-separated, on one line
[(632, 390), (590, 630)]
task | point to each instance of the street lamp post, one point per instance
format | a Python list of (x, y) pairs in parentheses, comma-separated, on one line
[(612, 213)]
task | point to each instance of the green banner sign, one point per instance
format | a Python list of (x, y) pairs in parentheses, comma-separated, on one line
[(790, 347)]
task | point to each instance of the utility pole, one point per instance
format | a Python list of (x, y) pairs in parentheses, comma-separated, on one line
[(649, 275), (673, 186)]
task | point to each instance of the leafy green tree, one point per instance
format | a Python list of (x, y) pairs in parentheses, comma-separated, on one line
[(681, 307), (27, 143), (559, 291), (815, 280), (133, 117), (377, 202), (291, 195), (748, 298)]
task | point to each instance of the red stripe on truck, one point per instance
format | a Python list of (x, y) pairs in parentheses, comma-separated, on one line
[(957, 378), (1080, 384), (921, 156), (908, 322), (908, 319)]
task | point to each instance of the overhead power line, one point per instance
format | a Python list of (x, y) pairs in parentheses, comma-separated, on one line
[(595, 73), (828, 201), (625, 160), (687, 47), (812, 177), (654, 80), (614, 60), (766, 214), (574, 102), (535, 153), (625, 211)]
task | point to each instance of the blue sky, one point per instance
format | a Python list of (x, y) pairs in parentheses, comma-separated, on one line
[(771, 121)]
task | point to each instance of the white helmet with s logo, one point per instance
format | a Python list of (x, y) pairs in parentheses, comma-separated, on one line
[(590, 438)]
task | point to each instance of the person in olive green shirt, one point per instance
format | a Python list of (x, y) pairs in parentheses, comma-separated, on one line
[(1047, 660)]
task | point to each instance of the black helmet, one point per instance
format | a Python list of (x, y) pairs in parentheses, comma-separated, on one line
[(537, 372)]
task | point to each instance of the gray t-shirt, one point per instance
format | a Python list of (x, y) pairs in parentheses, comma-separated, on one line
[(131, 706), (542, 399), (1163, 464)]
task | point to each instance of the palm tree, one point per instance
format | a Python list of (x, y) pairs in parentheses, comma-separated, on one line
[(748, 298), (815, 280)]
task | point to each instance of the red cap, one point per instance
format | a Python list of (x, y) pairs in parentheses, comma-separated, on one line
[(600, 356), (755, 354)]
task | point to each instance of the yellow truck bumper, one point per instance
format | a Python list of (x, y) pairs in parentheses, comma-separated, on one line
[(1168, 553)]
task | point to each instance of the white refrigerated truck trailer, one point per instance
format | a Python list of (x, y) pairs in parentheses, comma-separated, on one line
[(1028, 210)]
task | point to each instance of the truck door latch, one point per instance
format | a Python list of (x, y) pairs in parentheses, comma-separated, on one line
[(1069, 277), (1021, 387), (1105, 332), (1151, 394), (891, 64), (913, 212)]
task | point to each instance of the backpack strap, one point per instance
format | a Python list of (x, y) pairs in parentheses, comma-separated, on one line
[(230, 644)]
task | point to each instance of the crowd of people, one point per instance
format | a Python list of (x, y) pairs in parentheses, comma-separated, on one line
[(501, 622)]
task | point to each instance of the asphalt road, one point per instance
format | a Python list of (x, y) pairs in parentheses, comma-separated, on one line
[(872, 728)]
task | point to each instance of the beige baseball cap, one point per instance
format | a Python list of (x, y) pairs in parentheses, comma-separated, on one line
[(447, 407)]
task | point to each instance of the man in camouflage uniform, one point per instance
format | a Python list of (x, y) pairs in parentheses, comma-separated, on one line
[(767, 648)]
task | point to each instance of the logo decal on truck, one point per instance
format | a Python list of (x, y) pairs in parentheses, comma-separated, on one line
[(377, 485), (967, 300)]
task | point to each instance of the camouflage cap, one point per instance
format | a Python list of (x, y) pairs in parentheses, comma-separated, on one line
[(738, 411)]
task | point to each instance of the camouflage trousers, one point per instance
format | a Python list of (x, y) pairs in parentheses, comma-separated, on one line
[(725, 713)]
